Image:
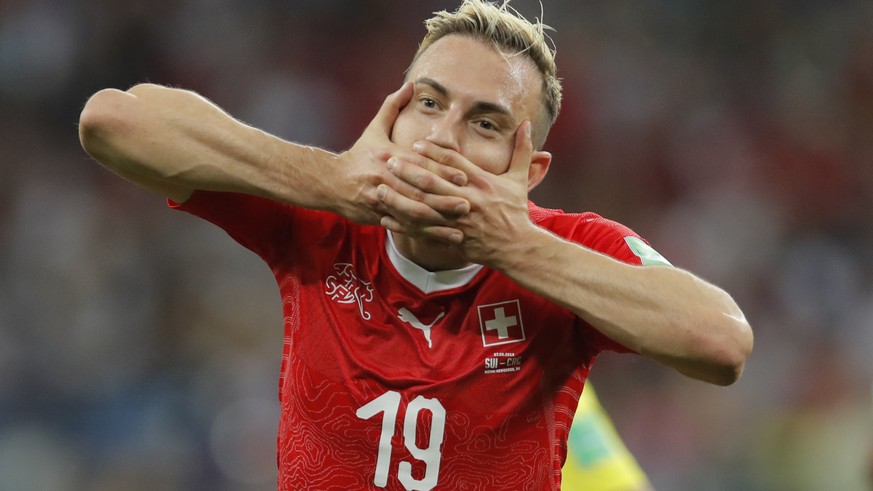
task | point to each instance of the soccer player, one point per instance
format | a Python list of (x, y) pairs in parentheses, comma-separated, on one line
[(597, 459), (439, 327)]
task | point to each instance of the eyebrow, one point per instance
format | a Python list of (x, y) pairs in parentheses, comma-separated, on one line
[(480, 107)]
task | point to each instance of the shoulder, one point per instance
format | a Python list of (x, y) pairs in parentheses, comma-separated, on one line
[(590, 230), (267, 227), (585, 222), (245, 209)]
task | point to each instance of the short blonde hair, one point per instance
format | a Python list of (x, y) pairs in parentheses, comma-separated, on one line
[(509, 32)]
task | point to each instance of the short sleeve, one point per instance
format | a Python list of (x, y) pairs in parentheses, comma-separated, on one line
[(261, 225)]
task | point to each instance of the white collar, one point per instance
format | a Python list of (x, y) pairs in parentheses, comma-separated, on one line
[(428, 281)]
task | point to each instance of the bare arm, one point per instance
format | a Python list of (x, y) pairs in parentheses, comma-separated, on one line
[(661, 312), (174, 141)]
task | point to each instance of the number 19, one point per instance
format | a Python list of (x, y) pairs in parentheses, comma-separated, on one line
[(389, 404)]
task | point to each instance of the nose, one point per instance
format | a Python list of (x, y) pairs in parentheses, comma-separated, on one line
[(446, 130)]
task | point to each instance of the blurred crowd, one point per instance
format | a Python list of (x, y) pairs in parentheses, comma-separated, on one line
[(140, 347)]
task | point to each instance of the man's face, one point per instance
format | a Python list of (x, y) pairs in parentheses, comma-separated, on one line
[(470, 99)]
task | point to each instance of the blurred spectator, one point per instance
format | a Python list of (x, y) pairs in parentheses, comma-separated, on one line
[(737, 136)]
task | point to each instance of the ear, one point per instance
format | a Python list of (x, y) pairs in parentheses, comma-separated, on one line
[(539, 166)]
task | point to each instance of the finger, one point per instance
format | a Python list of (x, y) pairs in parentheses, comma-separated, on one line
[(445, 158), (391, 107), (445, 205), (443, 234), (446, 172), (523, 151), (421, 180), (406, 209)]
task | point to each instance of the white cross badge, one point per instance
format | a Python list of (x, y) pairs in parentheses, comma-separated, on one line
[(501, 323)]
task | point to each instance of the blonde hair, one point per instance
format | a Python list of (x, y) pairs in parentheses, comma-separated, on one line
[(509, 32)]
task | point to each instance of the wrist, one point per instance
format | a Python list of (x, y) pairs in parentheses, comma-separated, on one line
[(313, 181), (520, 250)]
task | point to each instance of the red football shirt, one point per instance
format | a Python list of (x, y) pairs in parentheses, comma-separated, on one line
[(394, 377)]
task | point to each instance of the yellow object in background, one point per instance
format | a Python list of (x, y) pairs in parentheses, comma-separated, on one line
[(597, 459)]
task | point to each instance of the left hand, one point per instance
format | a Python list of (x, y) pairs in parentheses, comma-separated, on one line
[(498, 215)]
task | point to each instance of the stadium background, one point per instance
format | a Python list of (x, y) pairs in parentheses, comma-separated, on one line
[(139, 347)]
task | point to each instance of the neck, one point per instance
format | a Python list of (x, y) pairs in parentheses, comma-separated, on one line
[(430, 255)]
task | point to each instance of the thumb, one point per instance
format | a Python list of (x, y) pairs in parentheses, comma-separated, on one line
[(391, 107), (523, 151)]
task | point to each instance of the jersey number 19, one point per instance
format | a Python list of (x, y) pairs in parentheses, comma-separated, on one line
[(389, 404)]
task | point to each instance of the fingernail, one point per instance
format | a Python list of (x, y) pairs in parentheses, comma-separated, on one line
[(527, 129), (461, 209), (457, 237), (392, 164), (381, 191), (459, 180), (418, 146)]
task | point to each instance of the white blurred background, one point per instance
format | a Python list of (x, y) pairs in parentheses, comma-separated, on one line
[(140, 347)]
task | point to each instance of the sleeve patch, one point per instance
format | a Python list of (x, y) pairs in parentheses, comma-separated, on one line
[(647, 255)]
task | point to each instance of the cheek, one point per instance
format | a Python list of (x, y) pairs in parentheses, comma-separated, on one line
[(492, 158), (405, 131)]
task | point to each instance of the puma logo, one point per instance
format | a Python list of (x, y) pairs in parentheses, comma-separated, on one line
[(410, 318)]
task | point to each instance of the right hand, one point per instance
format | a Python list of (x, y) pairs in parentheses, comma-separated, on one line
[(365, 171)]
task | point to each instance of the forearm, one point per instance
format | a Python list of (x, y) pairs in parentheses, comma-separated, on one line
[(176, 141), (661, 312)]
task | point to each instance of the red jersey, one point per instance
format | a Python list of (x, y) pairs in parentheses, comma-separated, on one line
[(397, 378)]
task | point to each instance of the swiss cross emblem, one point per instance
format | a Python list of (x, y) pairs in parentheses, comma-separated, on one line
[(501, 323)]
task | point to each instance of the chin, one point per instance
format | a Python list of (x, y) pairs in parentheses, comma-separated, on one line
[(437, 255)]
